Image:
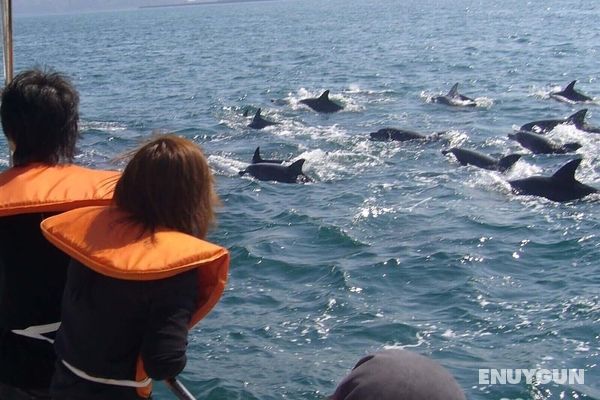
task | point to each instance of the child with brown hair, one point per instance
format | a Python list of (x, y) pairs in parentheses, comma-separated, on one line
[(141, 275)]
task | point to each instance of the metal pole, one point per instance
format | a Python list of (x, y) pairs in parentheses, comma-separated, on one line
[(180, 391), (8, 40)]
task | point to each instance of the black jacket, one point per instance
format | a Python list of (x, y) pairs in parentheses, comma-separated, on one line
[(107, 323), (32, 276)]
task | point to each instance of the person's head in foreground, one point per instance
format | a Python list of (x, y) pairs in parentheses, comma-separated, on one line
[(168, 184), (395, 374), (40, 117)]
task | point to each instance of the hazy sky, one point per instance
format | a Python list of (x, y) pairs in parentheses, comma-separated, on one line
[(68, 6)]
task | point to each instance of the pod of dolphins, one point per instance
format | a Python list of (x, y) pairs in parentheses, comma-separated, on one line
[(561, 186)]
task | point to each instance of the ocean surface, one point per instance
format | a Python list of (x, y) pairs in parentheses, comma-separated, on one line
[(393, 244)]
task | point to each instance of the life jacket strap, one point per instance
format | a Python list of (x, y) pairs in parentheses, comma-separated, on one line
[(107, 381), (38, 331)]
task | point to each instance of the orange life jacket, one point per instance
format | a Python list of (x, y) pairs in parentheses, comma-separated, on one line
[(44, 188), (103, 240), (39, 188)]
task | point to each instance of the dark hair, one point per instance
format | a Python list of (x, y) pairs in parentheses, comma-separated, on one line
[(168, 184), (40, 116)]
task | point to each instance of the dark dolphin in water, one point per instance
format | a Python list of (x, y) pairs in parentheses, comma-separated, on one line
[(322, 103), (546, 125), (256, 158), (471, 157), (400, 135), (276, 172), (584, 126), (562, 186), (570, 95), (258, 122), (453, 98), (539, 144)]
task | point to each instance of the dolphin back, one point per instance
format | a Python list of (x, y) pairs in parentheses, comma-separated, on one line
[(453, 98), (322, 103), (395, 134), (472, 157), (562, 186), (258, 122), (535, 142), (569, 94)]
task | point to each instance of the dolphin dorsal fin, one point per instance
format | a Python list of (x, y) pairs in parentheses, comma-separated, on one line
[(296, 167), (256, 157), (578, 118), (570, 87), (257, 118), (506, 162), (325, 95), (567, 171), (454, 91)]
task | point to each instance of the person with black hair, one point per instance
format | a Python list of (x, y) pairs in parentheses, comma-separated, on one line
[(40, 120)]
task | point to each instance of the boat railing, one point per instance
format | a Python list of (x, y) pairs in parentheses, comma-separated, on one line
[(7, 40)]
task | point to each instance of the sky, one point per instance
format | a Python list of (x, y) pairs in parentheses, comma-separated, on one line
[(76, 6)]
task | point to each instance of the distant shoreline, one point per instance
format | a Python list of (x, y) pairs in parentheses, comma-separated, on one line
[(203, 3)]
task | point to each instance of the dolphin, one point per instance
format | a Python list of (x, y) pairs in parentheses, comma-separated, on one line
[(471, 157), (562, 186), (545, 126), (539, 144), (584, 126), (258, 122), (257, 159), (322, 103), (400, 135), (276, 172), (453, 98), (570, 95)]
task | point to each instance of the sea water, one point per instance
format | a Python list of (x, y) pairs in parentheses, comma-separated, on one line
[(393, 245)]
